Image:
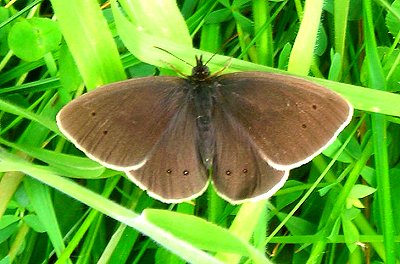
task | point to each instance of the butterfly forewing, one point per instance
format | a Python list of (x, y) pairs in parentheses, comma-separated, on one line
[(240, 173), (173, 171), (119, 124), (289, 120)]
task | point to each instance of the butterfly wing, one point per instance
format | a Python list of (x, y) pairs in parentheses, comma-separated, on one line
[(173, 171), (290, 120), (240, 174), (119, 124)]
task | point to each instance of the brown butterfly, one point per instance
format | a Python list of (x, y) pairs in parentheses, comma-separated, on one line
[(167, 133)]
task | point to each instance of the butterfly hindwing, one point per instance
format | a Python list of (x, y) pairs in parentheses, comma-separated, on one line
[(173, 171), (240, 174)]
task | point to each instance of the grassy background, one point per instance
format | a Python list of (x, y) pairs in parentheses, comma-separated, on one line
[(58, 206)]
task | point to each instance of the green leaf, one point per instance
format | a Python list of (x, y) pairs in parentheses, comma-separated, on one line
[(218, 16), (4, 31), (73, 166), (143, 32), (164, 256), (34, 222), (297, 225), (283, 200), (369, 175), (201, 233), (197, 231), (391, 68), (350, 231), (393, 18), (284, 56), (246, 24), (361, 191), (7, 220), (31, 39), (335, 69), (8, 230), (358, 191), (321, 42)]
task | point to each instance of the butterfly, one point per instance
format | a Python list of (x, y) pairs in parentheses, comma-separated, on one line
[(169, 134)]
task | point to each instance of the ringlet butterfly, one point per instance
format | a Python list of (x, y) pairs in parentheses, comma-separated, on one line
[(167, 133)]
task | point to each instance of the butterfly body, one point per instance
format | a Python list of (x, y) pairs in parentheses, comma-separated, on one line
[(166, 133), (204, 103), (202, 95)]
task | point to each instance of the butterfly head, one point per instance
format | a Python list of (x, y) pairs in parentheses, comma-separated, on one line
[(200, 72)]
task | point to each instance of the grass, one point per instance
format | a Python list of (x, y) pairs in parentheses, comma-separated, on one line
[(58, 206)]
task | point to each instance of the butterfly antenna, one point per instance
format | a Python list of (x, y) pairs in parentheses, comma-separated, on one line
[(220, 48), (227, 64), (172, 66), (173, 55)]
